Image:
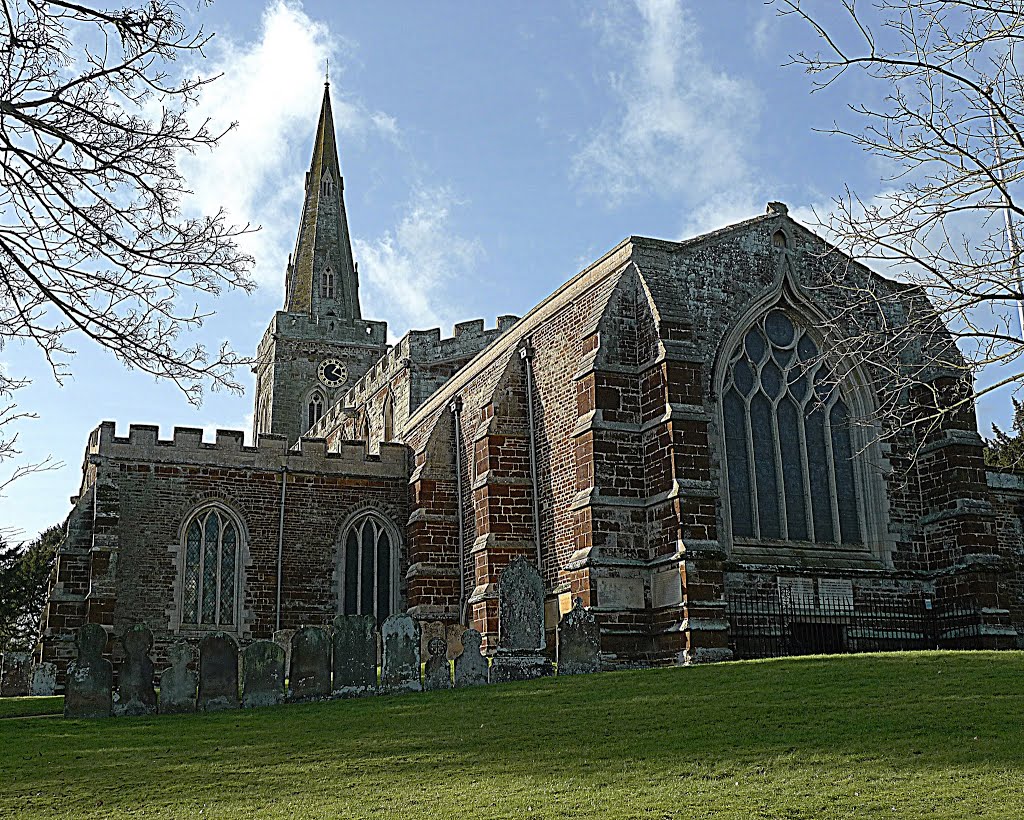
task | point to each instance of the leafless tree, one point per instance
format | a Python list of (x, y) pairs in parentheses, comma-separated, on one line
[(93, 240), (946, 119)]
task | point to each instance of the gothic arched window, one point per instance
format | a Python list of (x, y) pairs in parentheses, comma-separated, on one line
[(210, 570), (789, 453), (327, 284), (314, 408), (389, 418), (369, 568)]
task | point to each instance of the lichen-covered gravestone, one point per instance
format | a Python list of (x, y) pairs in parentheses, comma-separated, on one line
[(15, 674), (400, 669), (438, 673), (471, 665), (90, 677), (44, 679), (178, 683), (579, 642), (355, 655), (309, 671), (135, 694), (520, 625), (262, 674), (218, 673)]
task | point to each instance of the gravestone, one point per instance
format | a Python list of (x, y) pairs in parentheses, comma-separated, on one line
[(520, 625), (15, 674), (218, 673), (400, 667), (438, 673), (309, 671), (90, 677), (283, 637), (355, 655), (44, 679), (579, 642), (471, 665), (262, 674), (135, 694), (178, 683)]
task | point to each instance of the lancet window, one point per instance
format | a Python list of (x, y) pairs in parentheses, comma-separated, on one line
[(314, 408), (327, 284), (789, 451), (369, 569), (210, 577)]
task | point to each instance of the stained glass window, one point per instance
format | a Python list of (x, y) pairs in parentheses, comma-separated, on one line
[(210, 577), (369, 586), (788, 448)]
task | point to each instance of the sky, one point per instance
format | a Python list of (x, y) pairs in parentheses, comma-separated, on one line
[(490, 151)]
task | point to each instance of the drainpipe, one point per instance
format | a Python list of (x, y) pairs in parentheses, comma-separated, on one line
[(280, 543), (526, 353), (456, 410)]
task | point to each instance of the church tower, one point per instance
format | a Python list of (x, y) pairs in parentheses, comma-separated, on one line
[(319, 344)]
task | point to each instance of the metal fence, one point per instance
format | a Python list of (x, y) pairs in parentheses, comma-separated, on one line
[(774, 625)]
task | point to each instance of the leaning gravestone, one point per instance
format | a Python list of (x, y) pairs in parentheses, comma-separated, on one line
[(309, 671), (44, 679), (218, 673), (520, 625), (579, 642), (355, 655), (262, 674), (400, 669), (135, 694), (15, 674), (438, 673), (471, 665), (178, 683), (90, 677)]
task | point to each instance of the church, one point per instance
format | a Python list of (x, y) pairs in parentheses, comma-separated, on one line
[(659, 436)]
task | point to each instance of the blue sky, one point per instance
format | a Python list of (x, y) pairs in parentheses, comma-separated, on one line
[(489, 152)]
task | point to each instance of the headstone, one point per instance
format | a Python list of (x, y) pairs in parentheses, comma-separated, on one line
[(90, 677), (309, 672), (135, 694), (15, 674), (178, 683), (579, 642), (520, 625), (400, 667), (283, 637), (44, 679), (262, 674), (438, 673), (471, 665), (355, 655), (218, 673)]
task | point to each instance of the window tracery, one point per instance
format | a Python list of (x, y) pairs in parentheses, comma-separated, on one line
[(314, 408), (327, 284), (369, 568), (210, 569)]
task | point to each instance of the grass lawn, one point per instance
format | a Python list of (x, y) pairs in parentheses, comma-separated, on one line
[(905, 736)]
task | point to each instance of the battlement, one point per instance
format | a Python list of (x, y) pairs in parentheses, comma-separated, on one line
[(228, 450), (301, 326)]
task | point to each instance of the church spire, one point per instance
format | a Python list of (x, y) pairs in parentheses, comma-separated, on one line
[(322, 278)]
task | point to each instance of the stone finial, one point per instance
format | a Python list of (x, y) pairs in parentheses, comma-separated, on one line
[(178, 683), (90, 677), (471, 665), (135, 693), (780, 208), (579, 642), (218, 673), (438, 672)]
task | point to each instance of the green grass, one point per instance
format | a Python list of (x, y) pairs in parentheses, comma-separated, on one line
[(897, 736), (28, 707)]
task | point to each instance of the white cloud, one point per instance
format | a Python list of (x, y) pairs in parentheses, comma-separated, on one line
[(403, 272), (685, 127)]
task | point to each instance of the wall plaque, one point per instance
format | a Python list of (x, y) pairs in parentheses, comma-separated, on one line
[(797, 590), (667, 587), (620, 593)]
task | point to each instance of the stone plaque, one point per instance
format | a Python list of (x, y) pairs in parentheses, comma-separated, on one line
[(797, 590), (667, 587), (135, 694), (355, 655), (15, 674), (437, 673), (471, 665), (262, 674), (400, 669), (218, 673), (44, 679), (178, 683), (90, 677), (520, 607), (579, 642), (835, 593), (620, 593), (309, 671)]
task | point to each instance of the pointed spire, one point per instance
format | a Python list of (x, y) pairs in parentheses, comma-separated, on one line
[(322, 277)]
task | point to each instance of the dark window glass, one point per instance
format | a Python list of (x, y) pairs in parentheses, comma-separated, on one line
[(762, 430), (818, 469), (369, 583), (367, 572), (739, 465), (846, 491), (351, 572), (792, 470), (383, 576)]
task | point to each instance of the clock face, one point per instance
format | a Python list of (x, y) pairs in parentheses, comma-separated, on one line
[(333, 373)]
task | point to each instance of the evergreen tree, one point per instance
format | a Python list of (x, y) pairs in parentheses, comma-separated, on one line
[(1007, 449), (24, 576)]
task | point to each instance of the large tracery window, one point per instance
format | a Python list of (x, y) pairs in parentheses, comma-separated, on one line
[(210, 578), (369, 569), (789, 453)]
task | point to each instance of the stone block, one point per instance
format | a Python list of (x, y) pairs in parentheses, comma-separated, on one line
[(262, 674), (135, 693), (355, 655), (437, 673), (400, 668), (218, 673), (579, 642), (90, 677), (44, 679), (506, 668), (15, 674), (309, 671), (520, 607), (178, 683), (470, 665)]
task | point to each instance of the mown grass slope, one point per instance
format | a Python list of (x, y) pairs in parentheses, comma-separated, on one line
[(906, 736)]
